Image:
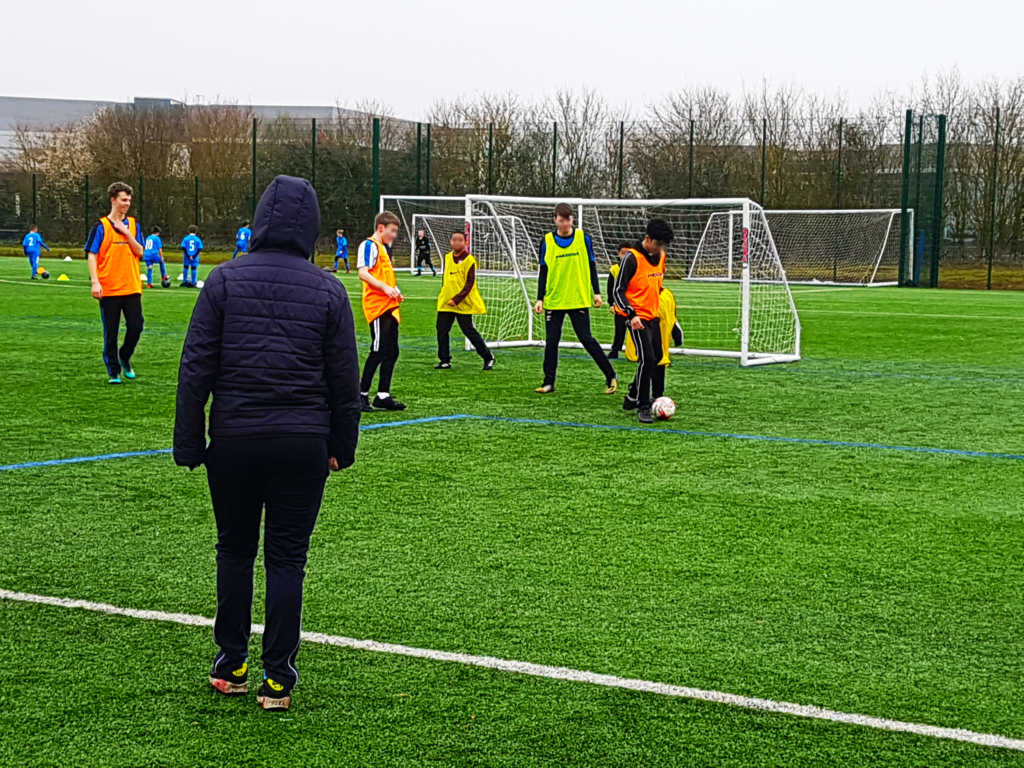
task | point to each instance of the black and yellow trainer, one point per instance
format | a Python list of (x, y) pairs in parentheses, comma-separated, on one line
[(273, 696), (233, 683)]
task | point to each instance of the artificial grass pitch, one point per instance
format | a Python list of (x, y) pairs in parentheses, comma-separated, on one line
[(861, 580)]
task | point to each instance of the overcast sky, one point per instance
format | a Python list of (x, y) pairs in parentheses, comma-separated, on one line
[(322, 52)]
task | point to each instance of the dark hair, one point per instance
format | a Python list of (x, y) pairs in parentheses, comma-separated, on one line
[(564, 211), (245, 223), (625, 244), (33, 228), (117, 188), (659, 229), (156, 230), (193, 229), (384, 218), (458, 232)]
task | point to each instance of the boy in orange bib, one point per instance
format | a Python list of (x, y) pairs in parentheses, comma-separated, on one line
[(381, 302), (637, 292), (114, 248)]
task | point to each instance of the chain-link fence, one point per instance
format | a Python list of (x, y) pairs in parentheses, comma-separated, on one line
[(966, 222)]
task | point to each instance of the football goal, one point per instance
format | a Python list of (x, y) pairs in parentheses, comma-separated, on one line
[(837, 247), (731, 291)]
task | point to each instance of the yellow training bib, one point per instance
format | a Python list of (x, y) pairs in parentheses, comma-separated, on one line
[(568, 285), (667, 315), (454, 280)]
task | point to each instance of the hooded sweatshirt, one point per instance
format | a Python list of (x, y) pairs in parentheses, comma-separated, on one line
[(273, 340)]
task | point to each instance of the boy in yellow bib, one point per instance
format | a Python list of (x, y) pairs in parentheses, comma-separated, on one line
[(567, 285), (460, 299), (620, 322)]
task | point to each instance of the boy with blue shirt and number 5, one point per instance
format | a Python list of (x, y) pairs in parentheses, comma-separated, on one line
[(32, 244), (153, 253), (191, 247), (242, 240), (342, 251)]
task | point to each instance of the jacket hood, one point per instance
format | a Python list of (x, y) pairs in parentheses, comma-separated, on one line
[(287, 218)]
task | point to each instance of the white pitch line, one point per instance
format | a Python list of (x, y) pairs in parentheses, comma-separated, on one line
[(556, 673), (908, 314), (817, 290)]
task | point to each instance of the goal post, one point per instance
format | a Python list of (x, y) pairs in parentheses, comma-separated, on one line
[(753, 319), (840, 247), (407, 208), (831, 247), (732, 296), (497, 273)]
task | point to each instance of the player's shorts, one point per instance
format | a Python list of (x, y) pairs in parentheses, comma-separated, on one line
[(152, 259), (190, 261)]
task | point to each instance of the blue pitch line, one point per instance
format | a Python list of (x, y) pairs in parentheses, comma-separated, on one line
[(155, 452), (764, 438), (581, 425), (424, 420), (81, 459)]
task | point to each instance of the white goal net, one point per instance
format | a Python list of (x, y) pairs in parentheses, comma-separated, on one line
[(731, 291), (403, 250), (844, 247)]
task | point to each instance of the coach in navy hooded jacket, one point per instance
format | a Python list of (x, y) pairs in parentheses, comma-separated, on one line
[(272, 339)]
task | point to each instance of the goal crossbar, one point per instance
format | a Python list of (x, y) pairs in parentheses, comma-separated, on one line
[(755, 322)]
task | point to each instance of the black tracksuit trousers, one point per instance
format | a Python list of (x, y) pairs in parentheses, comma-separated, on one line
[(285, 476)]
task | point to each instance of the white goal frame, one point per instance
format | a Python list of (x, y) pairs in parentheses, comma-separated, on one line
[(873, 260), (447, 205), (747, 210)]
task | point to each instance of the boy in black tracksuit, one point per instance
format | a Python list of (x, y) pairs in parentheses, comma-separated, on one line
[(423, 248), (637, 293)]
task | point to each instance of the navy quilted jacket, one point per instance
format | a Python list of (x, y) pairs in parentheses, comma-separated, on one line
[(272, 339)]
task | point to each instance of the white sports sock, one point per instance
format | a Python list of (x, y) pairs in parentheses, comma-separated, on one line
[(383, 395)]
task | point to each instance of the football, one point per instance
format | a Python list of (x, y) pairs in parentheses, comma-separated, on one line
[(664, 408), (46, 275), (166, 282)]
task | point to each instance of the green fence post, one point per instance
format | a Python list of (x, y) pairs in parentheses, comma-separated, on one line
[(940, 188), (905, 233), (87, 206), (419, 158), (429, 153), (195, 200), (764, 154), (622, 158), (839, 168), (376, 164), (554, 158), (490, 158), (35, 209), (839, 203), (312, 155), (252, 202), (689, 192), (920, 159), (992, 211), (142, 203)]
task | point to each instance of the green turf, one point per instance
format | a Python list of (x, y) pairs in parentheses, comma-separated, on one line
[(865, 580)]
